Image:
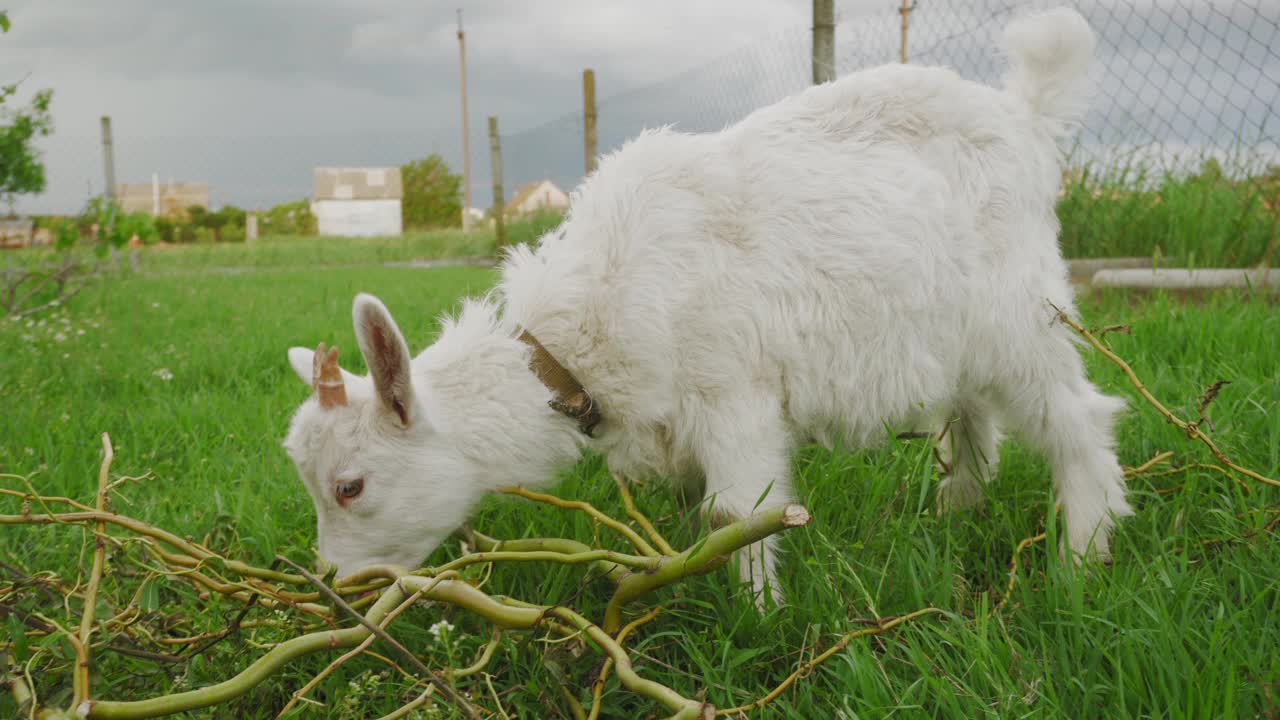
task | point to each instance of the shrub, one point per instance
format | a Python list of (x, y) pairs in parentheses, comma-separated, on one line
[(431, 194), (166, 228), (528, 228), (290, 218)]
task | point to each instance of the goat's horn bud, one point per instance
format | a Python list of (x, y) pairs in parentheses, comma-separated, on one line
[(326, 378)]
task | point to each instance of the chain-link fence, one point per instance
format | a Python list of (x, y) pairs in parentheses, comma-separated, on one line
[(1178, 82)]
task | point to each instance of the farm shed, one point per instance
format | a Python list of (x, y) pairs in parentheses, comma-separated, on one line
[(540, 195), (358, 202), (16, 232), (162, 199)]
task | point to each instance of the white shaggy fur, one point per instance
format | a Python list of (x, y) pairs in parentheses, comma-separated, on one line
[(875, 252)]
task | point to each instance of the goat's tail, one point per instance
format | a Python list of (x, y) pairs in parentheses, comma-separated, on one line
[(1049, 55)]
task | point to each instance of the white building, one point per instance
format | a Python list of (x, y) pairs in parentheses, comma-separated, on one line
[(541, 195), (358, 202)]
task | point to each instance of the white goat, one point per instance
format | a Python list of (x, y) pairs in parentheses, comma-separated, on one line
[(877, 251)]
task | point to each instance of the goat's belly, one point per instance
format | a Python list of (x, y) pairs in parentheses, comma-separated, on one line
[(866, 396)]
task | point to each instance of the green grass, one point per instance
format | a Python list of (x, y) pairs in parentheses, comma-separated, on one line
[(321, 251), (1173, 629), (1194, 220), (285, 251)]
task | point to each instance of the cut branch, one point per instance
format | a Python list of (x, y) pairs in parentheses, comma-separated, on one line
[(806, 668), (707, 555), (385, 637), (640, 544), (95, 575), (629, 504), (1192, 430)]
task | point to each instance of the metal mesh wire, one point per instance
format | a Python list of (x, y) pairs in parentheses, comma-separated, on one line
[(1176, 81)]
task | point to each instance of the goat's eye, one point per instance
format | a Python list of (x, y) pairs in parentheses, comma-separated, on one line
[(348, 489)]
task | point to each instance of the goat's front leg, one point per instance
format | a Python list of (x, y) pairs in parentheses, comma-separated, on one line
[(742, 446)]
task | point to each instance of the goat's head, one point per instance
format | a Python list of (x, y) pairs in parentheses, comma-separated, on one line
[(388, 487)]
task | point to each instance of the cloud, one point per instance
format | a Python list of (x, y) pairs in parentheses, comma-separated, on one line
[(248, 95)]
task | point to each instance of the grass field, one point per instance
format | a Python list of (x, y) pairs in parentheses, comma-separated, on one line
[(313, 251), (187, 372), (1203, 219)]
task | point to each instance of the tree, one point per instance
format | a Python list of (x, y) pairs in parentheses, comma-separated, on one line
[(290, 218), (21, 170), (430, 194)]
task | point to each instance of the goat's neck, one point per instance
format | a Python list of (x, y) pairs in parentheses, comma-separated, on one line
[(497, 409)]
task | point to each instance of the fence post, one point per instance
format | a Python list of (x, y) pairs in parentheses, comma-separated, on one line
[(108, 159), (824, 41), (905, 11), (495, 169), (466, 147), (589, 119)]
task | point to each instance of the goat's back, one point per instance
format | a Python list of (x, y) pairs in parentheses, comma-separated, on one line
[(846, 250)]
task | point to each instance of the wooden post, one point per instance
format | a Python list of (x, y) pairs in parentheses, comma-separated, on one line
[(824, 41), (905, 10), (495, 169), (589, 119), (108, 159), (250, 227), (466, 148)]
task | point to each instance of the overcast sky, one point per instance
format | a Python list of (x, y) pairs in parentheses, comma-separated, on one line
[(239, 67), (250, 94)]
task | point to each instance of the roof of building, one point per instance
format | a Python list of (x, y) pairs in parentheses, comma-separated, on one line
[(527, 191), (196, 188), (174, 197), (358, 184)]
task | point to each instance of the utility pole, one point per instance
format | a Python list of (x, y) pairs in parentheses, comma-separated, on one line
[(905, 10), (495, 169), (589, 136), (466, 141), (108, 159), (824, 41)]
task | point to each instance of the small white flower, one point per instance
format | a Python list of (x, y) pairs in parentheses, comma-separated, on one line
[(441, 628), (65, 417), (155, 304), (31, 451), (163, 374), (80, 331), (60, 336)]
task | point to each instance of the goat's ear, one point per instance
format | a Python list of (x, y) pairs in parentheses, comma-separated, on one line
[(386, 354), (301, 358)]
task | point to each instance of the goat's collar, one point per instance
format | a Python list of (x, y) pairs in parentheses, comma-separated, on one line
[(570, 397)]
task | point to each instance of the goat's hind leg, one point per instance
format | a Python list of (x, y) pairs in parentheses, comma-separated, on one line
[(1059, 411), (968, 453)]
